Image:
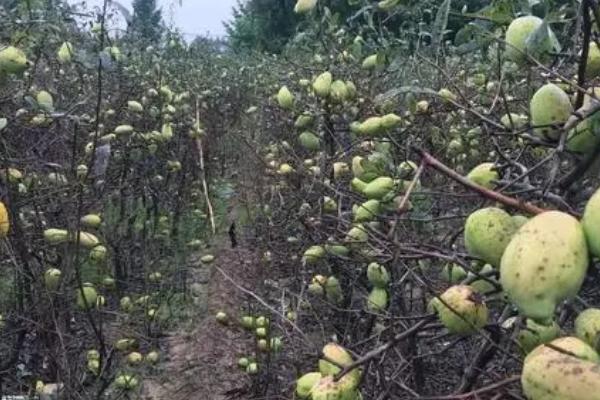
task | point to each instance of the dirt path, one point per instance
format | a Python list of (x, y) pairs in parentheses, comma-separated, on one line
[(201, 363)]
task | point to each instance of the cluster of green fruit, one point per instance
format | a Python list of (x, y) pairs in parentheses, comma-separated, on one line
[(265, 341), (323, 385)]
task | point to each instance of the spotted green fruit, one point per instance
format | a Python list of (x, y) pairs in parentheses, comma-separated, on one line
[(591, 223), (550, 108), (534, 334), (462, 310), (565, 370), (327, 388), (544, 264), (587, 327), (306, 382), (487, 233), (484, 175)]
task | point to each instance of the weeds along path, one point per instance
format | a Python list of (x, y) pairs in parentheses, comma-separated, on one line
[(201, 358)]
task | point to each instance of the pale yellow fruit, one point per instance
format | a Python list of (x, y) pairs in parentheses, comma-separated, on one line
[(285, 98), (517, 35), (550, 108), (12, 60), (306, 382), (322, 84), (591, 223), (464, 311), (487, 233), (544, 264), (484, 175), (304, 6), (4, 221)]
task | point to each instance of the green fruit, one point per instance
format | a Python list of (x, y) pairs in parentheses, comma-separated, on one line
[(252, 368), (285, 98), (88, 298), (487, 233), (313, 254), (123, 130), (93, 355), (92, 221), (517, 35), (367, 211), (378, 275), (126, 382), (126, 304), (584, 138), (52, 279), (306, 382), (262, 322), (134, 358), (587, 327), (591, 223), (550, 108), (592, 68), (484, 175), (45, 101), (207, 259), (447, 95), (243, 362), (65, 53), (303, 121), (339, 91), (519, 121), (357, 234), (483, 286), (544, 264), (336, 353), (152, 357), (333, 290), (86, 240), (378, 188), (371, 126), (247, 322), (390, 121), (322, 84), (261, 332), (337, 250), (462, 310), (276, 344), (550, 374), (406, 169), (222, 317), (453, 273), (370, 62), (12, 60), (358, 185), (125, 344), (377, 300), (309, 141), (134, 106), (519, 220), (329, 389), (329, 205), (304, 6), (535, 334)]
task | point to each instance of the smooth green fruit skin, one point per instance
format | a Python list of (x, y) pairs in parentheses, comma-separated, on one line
[(367, 211), (487, 233), (309, 141), (378, 188), (585, 137), (544, 264), (549, 374), (534, 334), (549, 106), (484, 175), (591, 224), (587, 327), (516, 36), (306, 382)]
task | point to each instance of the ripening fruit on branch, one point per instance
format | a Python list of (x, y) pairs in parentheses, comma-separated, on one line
[(341, 357), (4, 221), (304, 6), (12, 60), (134, 358), (309, 141), (587, 327), (519, 121), (378, 188), (544, 264), (584, 138), (566, 370), (519, 43), (487, 233), (134, 106), (550, 108), (126, 382), (92, 221), (446, 94), (327, 388), (370, 62), (484, 175), (378, 275), (367, 211), (464, 311), (313, 254), (65, 53), (377, 300)]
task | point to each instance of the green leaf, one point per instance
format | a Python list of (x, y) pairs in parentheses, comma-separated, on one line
[(500, 11)]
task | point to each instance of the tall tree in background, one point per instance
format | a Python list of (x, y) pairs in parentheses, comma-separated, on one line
[(147, 20)]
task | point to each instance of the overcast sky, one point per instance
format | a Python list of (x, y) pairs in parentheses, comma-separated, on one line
[(194, 17)]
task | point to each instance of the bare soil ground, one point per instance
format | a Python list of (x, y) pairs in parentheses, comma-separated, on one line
[(201, 363)]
